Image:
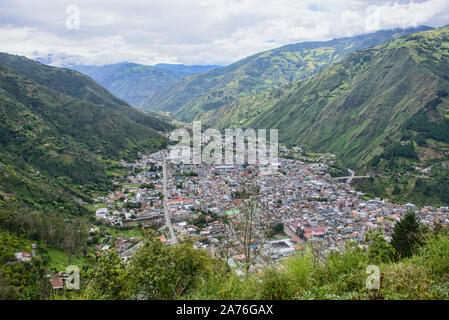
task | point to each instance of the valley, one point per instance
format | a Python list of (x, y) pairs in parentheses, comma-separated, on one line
[(192, 97), (85, 176)]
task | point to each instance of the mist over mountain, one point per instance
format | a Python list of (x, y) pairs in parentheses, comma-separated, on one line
[(382, 109), (137, 83), (59, 120), (197, 94), (106, 194)]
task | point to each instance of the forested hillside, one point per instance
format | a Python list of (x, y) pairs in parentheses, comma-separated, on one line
[(380, 109), (56, 151), (197, 94), (136, 83), (79, 86)]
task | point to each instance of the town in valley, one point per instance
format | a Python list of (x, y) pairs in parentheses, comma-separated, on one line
[(300, 206)]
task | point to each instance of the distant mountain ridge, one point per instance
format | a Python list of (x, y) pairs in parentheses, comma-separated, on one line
[(79, 86), (383, 109), (136, 83), (195, 95), (64, 124), (353, 105), (62, 136), (187, 69)]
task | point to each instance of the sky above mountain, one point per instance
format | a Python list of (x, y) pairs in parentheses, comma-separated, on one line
[(193, 32)]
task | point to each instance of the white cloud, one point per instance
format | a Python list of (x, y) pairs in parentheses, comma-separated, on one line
[(195, 32)]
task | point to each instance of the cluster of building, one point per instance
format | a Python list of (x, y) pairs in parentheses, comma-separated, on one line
[(205, 203), (26, 256)]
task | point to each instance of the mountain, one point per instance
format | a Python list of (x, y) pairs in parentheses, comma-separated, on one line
[(61, 138), (79, 86), (136, 83), (187, 69), (383, 109), (62, 135), (55, 147), (197, 94), (57, 151), (353, 105)]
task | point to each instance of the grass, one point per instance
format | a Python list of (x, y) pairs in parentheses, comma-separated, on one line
[(130, 233), (423, 276), (116, 172), (60, 261), (132, 185), (95, 206)]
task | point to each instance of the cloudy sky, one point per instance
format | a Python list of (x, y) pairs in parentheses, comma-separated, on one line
[(193, 31)]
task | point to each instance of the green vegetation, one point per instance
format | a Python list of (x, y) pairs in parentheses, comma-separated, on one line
[(78, 86), (59, 260), (407, 235), (136, 83), (61, 137), (10, 245), (397, 149), (52, 229), (428, 129), (277, 229), (108, 278), (21, 280), (408, 188), (203, 93), (158, 271)]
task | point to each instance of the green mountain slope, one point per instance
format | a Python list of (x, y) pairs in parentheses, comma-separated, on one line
[(136, 83), (382, 110), (187, 69), (61, 135), (79, 86), (197, 94), (56, 153), (353, 106), (54, 146)]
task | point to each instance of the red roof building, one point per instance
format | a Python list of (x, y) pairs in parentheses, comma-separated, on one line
[(57, 283)]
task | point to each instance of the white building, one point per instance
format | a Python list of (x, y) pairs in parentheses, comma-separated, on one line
[(101, 213), (23, 256)]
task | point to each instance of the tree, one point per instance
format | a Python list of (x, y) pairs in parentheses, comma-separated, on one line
[(158, 271), (396, 190), (200, 221), (249, 226), (407, 235), (107, 281), (380, 251), (277, 228)]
